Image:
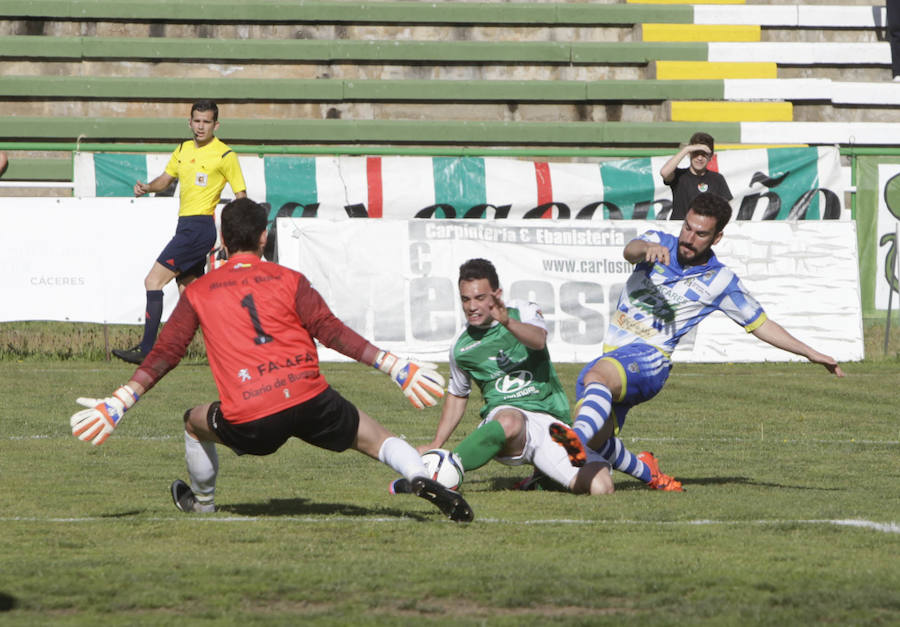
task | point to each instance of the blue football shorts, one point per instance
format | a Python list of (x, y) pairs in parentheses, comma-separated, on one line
[(186, 252), (644, 370)]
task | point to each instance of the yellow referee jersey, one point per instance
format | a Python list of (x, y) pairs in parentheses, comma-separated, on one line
[(202, 174)]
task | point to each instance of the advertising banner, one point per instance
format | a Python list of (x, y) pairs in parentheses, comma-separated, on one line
[(878, 214), (395, 281), (82, 259), (767, 184)]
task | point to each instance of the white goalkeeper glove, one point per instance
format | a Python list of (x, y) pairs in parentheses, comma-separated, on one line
[(418, 380), (97, 422)]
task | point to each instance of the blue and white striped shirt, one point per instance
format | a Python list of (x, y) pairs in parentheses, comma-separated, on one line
[(661, 303)]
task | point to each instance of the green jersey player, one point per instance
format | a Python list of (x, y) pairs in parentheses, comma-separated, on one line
[(503, 350)]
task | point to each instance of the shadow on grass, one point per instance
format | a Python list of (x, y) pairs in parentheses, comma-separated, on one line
[(305, 507), (7, 602), (687, 482), (134, 512), (628, 484)]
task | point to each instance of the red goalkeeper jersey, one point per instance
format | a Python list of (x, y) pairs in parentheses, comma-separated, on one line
[(259, 320)]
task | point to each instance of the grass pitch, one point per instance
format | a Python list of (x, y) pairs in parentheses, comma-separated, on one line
[(791, 514)]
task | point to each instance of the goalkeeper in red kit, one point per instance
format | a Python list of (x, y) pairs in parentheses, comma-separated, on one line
[(259, 321)]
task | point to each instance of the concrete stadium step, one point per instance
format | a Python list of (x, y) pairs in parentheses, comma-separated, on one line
[(409, 132), (802, 53), (699, 32), (698, 70), (362, 68), (342, 12), (731, 111), (685, 1), (812, 15), (335, 90)]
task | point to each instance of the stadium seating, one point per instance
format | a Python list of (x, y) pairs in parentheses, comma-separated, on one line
[(640, 74)]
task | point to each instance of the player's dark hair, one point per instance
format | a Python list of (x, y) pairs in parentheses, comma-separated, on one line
[(243, 221), (709, 204), (479, 269), (206, 105), (703, 138)]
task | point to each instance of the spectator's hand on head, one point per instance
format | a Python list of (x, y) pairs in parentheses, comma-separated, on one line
[(699, 148)]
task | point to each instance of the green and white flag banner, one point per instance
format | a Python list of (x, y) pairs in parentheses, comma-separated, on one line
[(767, 184)]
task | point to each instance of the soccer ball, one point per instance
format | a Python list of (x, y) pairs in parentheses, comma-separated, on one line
[(444, 467)]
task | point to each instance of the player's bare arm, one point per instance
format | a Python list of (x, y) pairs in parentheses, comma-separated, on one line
[(638, 250), (451, 414), (158, 184), (773, 333), (531, 336)]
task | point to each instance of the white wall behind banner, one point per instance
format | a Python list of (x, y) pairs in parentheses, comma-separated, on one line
[(82, 260), (395, 281)]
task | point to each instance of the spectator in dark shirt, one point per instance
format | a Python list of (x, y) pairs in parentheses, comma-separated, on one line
[(688, 183)]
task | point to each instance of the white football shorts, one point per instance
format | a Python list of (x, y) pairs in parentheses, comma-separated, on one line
[(540, 449)]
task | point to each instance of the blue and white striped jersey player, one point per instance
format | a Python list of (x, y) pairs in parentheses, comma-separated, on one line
[(502, 350), (677, 282)]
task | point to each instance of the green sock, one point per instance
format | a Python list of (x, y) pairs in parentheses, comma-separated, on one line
[(481, 445)]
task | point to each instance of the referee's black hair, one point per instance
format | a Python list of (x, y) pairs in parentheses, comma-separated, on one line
[(475, 269), (206, 105), (243, 222)]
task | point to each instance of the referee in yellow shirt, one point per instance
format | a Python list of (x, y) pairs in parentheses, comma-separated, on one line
[(202, 165)]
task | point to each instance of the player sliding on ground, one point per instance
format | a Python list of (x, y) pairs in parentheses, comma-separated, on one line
[(259, 320), (677, 282), (503, 350)]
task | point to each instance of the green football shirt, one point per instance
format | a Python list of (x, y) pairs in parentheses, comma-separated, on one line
[(505, 370)]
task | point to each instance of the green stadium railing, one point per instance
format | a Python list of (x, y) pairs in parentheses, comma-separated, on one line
[(285, 11), (294, 90), (338, 51)]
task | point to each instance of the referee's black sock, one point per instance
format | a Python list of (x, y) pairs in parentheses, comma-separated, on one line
[(153, 317)]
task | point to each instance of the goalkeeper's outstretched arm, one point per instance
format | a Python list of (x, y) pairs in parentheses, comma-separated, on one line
[(102, 415)]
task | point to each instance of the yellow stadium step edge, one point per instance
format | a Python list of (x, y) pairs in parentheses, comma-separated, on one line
[(700, 32), (721, 147), (694, 111), (713, 70)]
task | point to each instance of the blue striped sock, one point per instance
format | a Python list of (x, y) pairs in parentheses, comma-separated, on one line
[(593, 411), (624, 460)]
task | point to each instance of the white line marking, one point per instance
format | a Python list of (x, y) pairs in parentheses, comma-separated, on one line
[(884, 527)]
